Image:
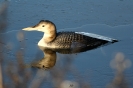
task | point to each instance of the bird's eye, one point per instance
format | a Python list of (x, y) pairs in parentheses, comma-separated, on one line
[(43, 25)]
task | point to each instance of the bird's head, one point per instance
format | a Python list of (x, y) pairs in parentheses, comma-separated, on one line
[(45, 26)]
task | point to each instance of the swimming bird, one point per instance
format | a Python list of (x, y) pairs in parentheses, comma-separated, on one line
[(67, 42)]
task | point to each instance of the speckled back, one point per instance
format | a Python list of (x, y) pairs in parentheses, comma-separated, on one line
[(71, 42)]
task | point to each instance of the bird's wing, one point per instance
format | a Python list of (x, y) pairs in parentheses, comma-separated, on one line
[(79, 41)]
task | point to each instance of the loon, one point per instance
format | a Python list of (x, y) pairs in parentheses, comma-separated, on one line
[(64, 42), (67, 42)]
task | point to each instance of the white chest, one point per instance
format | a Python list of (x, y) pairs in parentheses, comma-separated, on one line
[(42, 45)]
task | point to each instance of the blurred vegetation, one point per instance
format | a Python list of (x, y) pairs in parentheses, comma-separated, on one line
[(21, 77), (3, 12)]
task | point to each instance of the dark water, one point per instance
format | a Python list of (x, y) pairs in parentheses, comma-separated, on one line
[(109, 18)]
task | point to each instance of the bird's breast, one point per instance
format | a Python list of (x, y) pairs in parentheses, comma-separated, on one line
[(43, 45)]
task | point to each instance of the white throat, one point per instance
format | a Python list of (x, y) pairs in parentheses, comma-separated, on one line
[(43, 41), (47, 37)]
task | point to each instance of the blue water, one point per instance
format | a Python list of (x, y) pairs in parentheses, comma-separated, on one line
[(109, 18)]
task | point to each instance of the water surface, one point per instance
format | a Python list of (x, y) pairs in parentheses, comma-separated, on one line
[(108, 18)]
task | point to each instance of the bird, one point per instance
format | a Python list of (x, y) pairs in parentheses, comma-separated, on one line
[(67, 42)]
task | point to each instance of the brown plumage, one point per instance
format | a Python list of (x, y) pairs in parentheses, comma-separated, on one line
[(67, 42)]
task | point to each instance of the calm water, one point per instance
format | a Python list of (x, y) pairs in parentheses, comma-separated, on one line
[(104, 17)]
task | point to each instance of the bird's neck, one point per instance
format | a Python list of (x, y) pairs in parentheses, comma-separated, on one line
[(49, 36)]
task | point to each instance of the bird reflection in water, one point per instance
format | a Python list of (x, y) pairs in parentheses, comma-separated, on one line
[(47, 62)]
